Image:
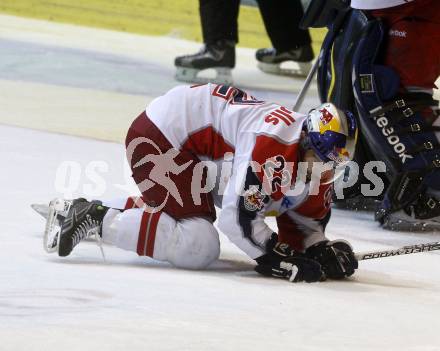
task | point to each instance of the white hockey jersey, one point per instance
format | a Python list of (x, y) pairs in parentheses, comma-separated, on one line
[(214, 120)]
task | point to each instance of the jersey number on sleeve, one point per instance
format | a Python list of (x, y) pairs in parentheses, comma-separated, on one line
[(235, 96)]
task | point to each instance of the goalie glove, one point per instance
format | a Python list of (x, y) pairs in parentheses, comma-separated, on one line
[(336, 258), (281, 261)]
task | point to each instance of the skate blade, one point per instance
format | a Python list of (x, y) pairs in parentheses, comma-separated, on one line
[(41, 209), (57, 212), (299, 69), (191, 75), (402, 225)]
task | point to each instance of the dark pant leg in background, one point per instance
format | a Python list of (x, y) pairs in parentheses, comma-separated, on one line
[(219, 20), (281, 19)]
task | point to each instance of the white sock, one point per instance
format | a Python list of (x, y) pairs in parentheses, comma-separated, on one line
[(121, 229)]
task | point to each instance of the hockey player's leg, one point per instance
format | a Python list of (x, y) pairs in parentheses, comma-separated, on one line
[(193, 244), (119, 203), (219, 56), (189, 243), (272, 61), (291, 45), (178, 234), (145, 140), (417, 44), (219, 27), (396, 120), (71, 221)]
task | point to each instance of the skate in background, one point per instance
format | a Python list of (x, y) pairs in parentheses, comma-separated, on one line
[(220, 35), (292, 52), (291, 45)]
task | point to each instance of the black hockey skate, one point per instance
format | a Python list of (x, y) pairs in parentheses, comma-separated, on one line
[(219, 56), (270, 61), (420, 216), (70, 221)]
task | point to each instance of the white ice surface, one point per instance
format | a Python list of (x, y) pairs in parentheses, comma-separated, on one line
[(133, 303), (62, 78)]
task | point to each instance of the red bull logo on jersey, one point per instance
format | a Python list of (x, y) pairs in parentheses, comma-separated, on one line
[(326, 116), (253, 200), (339, 155), (342, 152)]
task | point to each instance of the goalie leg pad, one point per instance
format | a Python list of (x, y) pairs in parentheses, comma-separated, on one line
[(334, 80), (392, 127), (392, 122), (391, 119)]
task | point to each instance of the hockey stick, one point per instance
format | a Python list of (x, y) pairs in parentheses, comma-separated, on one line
[(397, 252), (305, 87)]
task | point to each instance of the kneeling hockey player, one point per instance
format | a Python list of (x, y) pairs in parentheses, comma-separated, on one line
[(263, 145)]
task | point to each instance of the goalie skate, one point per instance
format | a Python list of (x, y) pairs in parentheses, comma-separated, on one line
[(401, 221), (422, 215)]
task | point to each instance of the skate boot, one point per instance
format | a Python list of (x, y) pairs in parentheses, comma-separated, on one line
[(422, 215), (219, 56), (70, 221), (270, 61)]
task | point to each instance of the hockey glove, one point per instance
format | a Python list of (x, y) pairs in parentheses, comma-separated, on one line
[(336, 258), (282, 262)]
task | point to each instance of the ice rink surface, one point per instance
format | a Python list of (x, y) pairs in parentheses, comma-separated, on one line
[(133, 303)]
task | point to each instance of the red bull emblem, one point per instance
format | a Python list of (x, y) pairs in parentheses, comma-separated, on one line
[(253, 200), (326, 116), (342, 152)]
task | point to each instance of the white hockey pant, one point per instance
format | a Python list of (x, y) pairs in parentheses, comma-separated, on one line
[(191, 243)]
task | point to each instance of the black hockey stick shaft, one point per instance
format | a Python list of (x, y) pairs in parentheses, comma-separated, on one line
[(406, 250), (305, 87)]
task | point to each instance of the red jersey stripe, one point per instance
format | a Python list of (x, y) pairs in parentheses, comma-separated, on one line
[(152, 234), (143, 234)]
